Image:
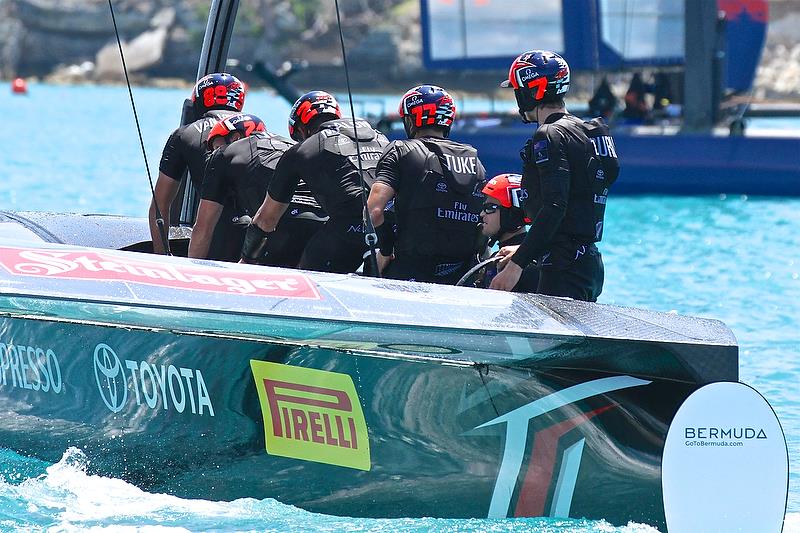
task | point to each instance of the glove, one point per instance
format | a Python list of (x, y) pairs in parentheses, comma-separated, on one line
[(385, 239), (255, 240)]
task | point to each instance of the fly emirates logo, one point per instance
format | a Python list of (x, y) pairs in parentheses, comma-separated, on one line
[(311, 415), (89, 265)]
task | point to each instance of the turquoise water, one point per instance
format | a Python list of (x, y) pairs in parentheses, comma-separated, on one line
[(733, 258)]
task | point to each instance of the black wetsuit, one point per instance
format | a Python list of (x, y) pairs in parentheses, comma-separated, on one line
[(327, 162), (528, 281), (244, 170), (185, 149), (568, 167), (438, 199)]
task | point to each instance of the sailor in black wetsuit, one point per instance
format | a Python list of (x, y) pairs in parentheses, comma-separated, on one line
[(242, 165), (437, 185), (568, 167), (214, 97), (504, 224), (326, 159)]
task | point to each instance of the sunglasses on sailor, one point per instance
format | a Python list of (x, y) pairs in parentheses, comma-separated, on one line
[(490, 208)]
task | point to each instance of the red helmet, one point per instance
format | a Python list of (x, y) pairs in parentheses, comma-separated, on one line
[(427, 106), (507, 190), (218, 91), (537, 76), (243, 124), (308, 107)]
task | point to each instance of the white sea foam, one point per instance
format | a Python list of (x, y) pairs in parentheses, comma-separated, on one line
[(792, 523), (67, 499)]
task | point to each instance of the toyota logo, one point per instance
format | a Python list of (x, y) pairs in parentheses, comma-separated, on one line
[(110, 378)]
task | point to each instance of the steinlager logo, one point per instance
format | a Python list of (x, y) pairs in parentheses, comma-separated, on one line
[(85, 264), (311, 415)]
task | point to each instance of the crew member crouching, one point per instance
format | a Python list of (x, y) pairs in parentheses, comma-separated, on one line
[(241, 167), (504, 223), (326, 157)]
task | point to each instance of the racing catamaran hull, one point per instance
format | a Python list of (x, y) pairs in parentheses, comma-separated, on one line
[(343, 395)]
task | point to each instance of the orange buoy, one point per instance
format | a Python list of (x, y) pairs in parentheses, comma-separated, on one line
[(18, 86)]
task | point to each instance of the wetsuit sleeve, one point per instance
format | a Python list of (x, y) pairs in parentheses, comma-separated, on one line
[(288, 172), (214, 178), (388, 171), (548, 152), (172, 163)]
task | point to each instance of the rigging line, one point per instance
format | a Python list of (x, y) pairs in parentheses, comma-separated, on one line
[(159, 219), (370, 236)]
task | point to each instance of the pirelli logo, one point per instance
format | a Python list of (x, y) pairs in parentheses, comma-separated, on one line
[(311, 415)]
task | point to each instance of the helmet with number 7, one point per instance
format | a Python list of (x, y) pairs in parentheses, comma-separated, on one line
[(538, 77), (218, 91), (507, 190), (427, 106), (308, 107), (235, 127)]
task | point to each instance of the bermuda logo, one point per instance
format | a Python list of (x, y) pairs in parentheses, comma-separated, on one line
[(540, 474), (312, 415), (110, 378)]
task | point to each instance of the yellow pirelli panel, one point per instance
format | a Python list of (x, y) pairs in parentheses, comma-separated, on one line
[(311, 415)]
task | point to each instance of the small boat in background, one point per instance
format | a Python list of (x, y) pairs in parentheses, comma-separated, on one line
[(696, 144), (708, 52)]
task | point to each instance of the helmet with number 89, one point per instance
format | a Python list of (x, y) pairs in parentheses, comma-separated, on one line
[(218, 91), (233, 128), (307, 108), (538, 77), (427, 106)]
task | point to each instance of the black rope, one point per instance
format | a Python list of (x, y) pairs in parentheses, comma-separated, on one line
[(159, 218), (370, 236)]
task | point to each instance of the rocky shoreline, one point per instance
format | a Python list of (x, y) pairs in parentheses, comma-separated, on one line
[(72, 41)]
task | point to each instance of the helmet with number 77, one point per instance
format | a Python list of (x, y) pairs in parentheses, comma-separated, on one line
[(218, 91), (427, 106), (537, 77)]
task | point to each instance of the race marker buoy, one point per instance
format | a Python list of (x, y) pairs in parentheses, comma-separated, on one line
[(18, 86), (725, 465)]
